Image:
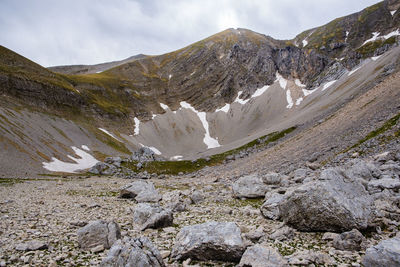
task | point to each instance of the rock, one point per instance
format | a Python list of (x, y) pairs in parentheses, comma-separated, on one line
[(283, 233), (270, 208), (329, 236), (385, 254), (254, 236), (141, 191), (308, 257), (209, 241), (376, 186), (271, 178), (138, 252), (251, 186), (98, 233), (143, 154), (260, 256), (97, 249), (332, 204), (197, 197), (102, 168), (299, 175), (152, 216), (385, 156), (313, 165), (352, 241), (31, 246), (361, 169)]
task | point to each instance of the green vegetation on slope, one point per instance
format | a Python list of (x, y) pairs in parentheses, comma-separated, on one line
[(187, 166)]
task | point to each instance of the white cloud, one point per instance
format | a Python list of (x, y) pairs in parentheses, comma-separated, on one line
[(88, 32)]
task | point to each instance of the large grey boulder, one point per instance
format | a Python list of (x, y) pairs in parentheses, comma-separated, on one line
[(361, 169), (137, 252), (385, 254), (209, 241), (152, 216), (141, 191), (261, 256), (250, 186), (333, 203), (352, 241), (98, 233), (270, 208)]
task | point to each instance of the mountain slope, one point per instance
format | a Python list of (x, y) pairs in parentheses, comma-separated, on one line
[(209, 97)]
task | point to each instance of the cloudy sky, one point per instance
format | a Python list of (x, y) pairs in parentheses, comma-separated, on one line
[(93, 31)]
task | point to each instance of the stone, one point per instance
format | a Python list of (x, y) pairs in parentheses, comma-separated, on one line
[(376, 186), (250, 186), (308, 257), (98, 233), (271, 178), (197, 197), (141, 191), (329, 236), (102, 168), (152, 216), (351, 241), (260, 256), (385, 254), (31, 246), (270, 208), (97, 249), (138, 252), (360, 169), (299, 175), (334, 203), (209, 241), (284, 233)]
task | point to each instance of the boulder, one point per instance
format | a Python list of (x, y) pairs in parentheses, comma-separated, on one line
[(376, 186), (270, 208), (271, 178), (197, 197), (260, 256), (351, 241), (152, 216), (333, 203), (31, 246), (385, 254), (138, 252), (141, 191), (209, 241), (284, 233), (250, 186), (360, 169), (98, 233), (102, 168), (299, 175)]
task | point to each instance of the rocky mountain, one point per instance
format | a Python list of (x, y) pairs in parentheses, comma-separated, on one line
[(208, 98)]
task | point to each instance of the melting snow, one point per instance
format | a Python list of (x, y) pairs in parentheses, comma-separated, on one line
[(374, 37), (84, 161), (326, 85), (298, 101), (241, 101), (309, 92), (110, 134), (260, 91), (170, 76), (392, 12), (393, 33), (289, 99), (282, 81), (155, 150), (354, 70), (347, 35), (85, 147), (224, 108), (137, 122), (298, 83), (375, 58), (208, 140), (305, 42), (192, 73), (163, 106), (153, 116), (177, 157)]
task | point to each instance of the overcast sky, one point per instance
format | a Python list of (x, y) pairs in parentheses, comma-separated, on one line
[(58, 32)]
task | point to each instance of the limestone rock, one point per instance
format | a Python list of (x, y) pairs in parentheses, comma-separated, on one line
[(250, 186), (152, 216), (260, 256), (209, 241), (385, 254), (270, 208), (352, 241), (31, 246), (98, 233), (141, 191)]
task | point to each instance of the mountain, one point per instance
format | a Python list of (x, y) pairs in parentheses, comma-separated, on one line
[(205, 99)]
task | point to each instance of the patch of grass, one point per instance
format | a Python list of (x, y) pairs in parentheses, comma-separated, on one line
[(187, 166), (9, 181), (237, 203), (369, 48)]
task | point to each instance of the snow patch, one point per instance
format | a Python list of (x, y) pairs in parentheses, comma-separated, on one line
[(169, 77), (208, 140), (393, 33), (289, 99), (354, 70), (163, 106), (374, 37), (108, 133), (309, 92), (392, 12), (224, 108), (84, 161), (240, 101), (137, 123), (305, 42), (282, 81), (260, 91), (328, 84), (85, 148), (153, 116), (155, 150), (347, 35), (298, 83), (375, 58), (177, 157), (192, 73), (298, 101)]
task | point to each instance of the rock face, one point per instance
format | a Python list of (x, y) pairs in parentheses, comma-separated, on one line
[(98, 233), (251, 186), (385, 254), (138, 252), (260, 256), (209, 241), (334, 203), (141, 191), (152, 216)]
